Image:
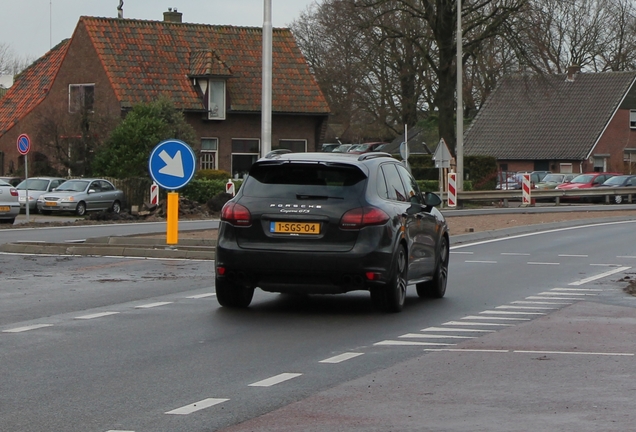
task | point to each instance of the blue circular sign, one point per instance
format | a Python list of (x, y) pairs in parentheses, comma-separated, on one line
[(172, 164), (24, 144)]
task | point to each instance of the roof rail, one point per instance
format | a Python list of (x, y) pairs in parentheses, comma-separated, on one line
[(372, 155), (276, 152)]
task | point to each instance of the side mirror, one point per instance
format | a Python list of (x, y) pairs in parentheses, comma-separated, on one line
[(431, 199), (90, 191)]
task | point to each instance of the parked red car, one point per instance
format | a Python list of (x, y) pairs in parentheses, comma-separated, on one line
[(586, 181)]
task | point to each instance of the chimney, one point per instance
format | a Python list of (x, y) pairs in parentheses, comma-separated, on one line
[(172, 16), (572, 71), (120, 9)]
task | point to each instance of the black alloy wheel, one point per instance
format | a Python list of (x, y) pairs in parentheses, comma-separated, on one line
[(391, 297), (436, 287)]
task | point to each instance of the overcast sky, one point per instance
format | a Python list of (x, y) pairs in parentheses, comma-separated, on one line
[(26, 27)]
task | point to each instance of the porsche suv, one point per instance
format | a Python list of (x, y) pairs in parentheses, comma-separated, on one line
[(329, 223)]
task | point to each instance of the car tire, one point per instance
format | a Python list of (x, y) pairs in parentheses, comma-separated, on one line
[(436, 287), (116, 208), (618, 199), (232, 295), (390, 298), (80, 210)]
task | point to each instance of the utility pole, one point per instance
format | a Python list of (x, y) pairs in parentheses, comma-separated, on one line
[(460, 102), (266, 101)]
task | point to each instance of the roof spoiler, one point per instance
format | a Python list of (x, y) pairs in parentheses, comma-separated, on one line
[(373, 155)]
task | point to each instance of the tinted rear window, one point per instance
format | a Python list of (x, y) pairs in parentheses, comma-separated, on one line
[(292, 179)]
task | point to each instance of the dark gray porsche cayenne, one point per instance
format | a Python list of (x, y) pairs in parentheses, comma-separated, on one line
[(328, 223)]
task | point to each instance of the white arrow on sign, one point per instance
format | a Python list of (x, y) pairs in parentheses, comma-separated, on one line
[(174, 166)]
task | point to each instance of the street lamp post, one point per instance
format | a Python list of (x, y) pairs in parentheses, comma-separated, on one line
[(266, 101), (460, 102)]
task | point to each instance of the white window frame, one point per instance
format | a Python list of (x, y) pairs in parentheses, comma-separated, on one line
[(242, 154), (72, 106), (205, 155), (216, 104), (632, 119), (294, 140)]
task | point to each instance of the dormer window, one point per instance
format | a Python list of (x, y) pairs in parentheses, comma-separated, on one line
[(216, 100)]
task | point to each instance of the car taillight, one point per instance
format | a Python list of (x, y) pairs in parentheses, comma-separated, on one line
[(13, 192), (362, 217), (236, 214)]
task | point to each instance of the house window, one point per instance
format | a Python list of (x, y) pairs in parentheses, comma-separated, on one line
[(565, 168), (632, 119), (216, 105), (81, 97), (296, 146), (209, 148), (244, 153)]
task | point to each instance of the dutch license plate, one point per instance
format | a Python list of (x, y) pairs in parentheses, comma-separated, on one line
[(50, 203), (295, 227), (5, 209)]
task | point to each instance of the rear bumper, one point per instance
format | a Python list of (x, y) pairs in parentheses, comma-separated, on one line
[(305, 271)]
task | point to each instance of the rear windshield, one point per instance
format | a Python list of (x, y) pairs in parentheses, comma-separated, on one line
[(616, 180), (294, 180), (553, 178), (38, 185)]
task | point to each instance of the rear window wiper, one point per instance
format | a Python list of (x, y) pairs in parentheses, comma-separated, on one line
[(316, 197)]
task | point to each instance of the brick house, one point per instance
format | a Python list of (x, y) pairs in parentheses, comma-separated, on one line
[(569, 123), (211, 73)]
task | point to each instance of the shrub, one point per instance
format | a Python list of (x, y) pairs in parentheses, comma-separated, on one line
[(210, 174), (216, 203)]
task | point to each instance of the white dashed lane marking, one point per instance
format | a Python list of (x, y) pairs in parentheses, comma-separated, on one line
[(448, 329), (525, 307), (475, 317), (540, 302), (499, 312), (275, 380), (431, 336), (515, 254), (200, 296), (558, 294), (543, 263), (96, 315), (466, 323), (197, 406), (547, 297), (27, 328), (409, 343), (152, 305), (577, 289), (573, 256), (481, 262), (530, 352), (340, 358)]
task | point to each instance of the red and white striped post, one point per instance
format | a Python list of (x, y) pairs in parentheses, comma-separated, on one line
[(229, 187), (526, 187), (452, 189), (154, 193)]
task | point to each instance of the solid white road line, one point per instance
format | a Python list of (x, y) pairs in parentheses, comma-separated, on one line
[(526, 307), (574, 352), (626, 256), (599, 276), (152, 305), (495, 312), (27, 328), (447, 329), (573, 256), (275, 380), (340, 358), (197, 406), (466, 323), (431, 336), (515, 254), (409, 343), (463, 253), (606, 265), (199, 296), (542, 263), (468, 350), (96, 315)]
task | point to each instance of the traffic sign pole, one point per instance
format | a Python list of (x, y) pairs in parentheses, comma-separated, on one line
[(171, 165), (24, 145)]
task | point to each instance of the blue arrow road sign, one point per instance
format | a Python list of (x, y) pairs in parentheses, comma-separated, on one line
[(171, 164), (24, 144)]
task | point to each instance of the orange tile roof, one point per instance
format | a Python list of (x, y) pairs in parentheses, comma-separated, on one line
[(147, 58), (30, 87)]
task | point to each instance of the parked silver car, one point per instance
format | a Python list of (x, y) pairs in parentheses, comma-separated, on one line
[(82, 195), (37, 186), (9, 205)]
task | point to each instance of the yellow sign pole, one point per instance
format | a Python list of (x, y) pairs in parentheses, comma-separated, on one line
[(172, 225)]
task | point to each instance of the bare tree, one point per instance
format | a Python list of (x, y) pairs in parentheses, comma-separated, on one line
[(10, 62)]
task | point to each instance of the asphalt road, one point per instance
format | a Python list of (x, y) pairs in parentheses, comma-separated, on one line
[(109, 344)]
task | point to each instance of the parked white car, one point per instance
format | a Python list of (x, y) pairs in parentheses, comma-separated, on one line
[(80, 196), (9, 205), (36, 187)]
